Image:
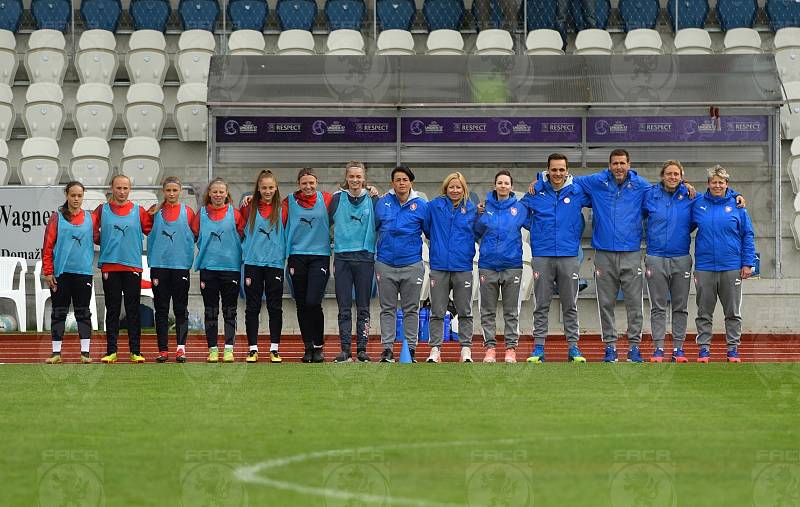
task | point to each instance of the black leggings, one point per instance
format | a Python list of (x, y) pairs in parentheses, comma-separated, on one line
[(309, 275), (117, 284), (75, 289), (170, 284), (216, 286), (259, 281)]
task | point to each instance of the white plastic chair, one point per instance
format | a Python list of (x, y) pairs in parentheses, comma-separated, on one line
[(46, 59), (796, 230), (8, 57), (787, 53), (740, 41), (195, 49), (643, 41), (39, 164), (693, 41), (145, 199), (395, 42), (445, 42), (494, 42), (790, 112), (295, 42), (42, 292), (90, 163), (44, 110), (191, 112), (8, 268), (92, 199), (147, 60), (94, 114), (7, 113), (5, 170), (593, 41), (141, 161), (793, 167), (345, 42), (246, 42), (543, 42), (144, 112), (97, 60)]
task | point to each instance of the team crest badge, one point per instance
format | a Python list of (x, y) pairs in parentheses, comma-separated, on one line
[(291, 271), (535, 275), (155, 282), (680, 197), (433, 282), (105, 276), (513, 211), (413, 206), (248, 281), (630, 185), (378, 276), (728, 209), (202, 285), (463, 211), (597, 272), (566, 200), (649, 273)]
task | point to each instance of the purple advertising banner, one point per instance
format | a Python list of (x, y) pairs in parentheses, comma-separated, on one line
[(281, 129), (677, 129), (490, 130)]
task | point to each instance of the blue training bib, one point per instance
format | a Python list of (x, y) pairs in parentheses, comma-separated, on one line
[(170, 245), (308, 229), (354, 226), (219, 247), (121, 238), (265, 244), (74, 248)]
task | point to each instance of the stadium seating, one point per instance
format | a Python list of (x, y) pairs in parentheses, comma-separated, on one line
[(92, 199), (790, 112), (793, 167), (445, 42), (141, 160), (643, 41), (742, 41), (541, 14), (97, 60), (783, 13), (602, 11), (246, 42), (7, 112), (543, 42), (11, 15), (44, 110), (90, 163), (443, 14), (150, 14), (248, 14), (395, 42), (691, 13), (42, 293), (101, 14), (8, 57), (736, 13), (195, 49), (296, 14), (52, 14), (46, 59), (593, 42), (345, 42), (147, 60), (693, 41), (639, 13), (198, 14), (787, 53), (191, 113), (494, 42), (495, 20), (8, 268), (295, 42), (5, 169), (395, 14), (345, 14), (94, 114), (39, 164), (144, 112)]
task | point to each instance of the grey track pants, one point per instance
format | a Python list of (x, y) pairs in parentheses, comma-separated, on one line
[(668, 280), (492, 284), (547, 273), (405, 281), (727, 286), (612, 271), (441, 284)]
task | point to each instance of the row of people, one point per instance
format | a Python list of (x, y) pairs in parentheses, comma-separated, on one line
[(381, 237)]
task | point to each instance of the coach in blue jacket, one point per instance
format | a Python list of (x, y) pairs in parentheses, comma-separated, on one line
[(724, 253)]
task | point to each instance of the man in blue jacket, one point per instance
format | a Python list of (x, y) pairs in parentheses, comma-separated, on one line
[(556, 229)]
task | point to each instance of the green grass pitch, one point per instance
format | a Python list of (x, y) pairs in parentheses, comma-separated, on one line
[(420, 435)]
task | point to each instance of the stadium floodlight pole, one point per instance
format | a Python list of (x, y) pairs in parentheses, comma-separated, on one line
[(776, 166)]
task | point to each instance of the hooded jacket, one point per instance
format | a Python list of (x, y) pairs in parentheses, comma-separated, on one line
[(498, 231), (400, 228), (557, 222), (452, 242), (725, 240)]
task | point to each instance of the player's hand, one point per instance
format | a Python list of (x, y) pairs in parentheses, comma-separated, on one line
[(372, 190), (481, 207), (530, 188), (51, 282), (747, 272), (691, 189), (741, 202), (246, 200)]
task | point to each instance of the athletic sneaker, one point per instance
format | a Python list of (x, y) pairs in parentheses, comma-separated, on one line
[(413, 354), (574, 355), (109, 358), (54, 359), (537, 356), (733, 356), (679, 357), (611, 355), (704, 356), (227, 356), (490, 356), (274, 357), (466, 355), (162, 357), (511, 356), (213, 355), (387, 356), (658, 356), (343, 357), (307, 355), (435, 356), (252, 356), (363, 357), (318, 356), (180, 356), (86, 358), (635, 355), (137, 358)]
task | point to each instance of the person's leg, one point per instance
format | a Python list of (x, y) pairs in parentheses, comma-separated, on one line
[(706, 285), (487, 305), (606, 281), (318, 275), (297, 268), (112, 296), (363, 274), (510, 282), (630, 277), (730, 296), (440, 297), (657, 279), (562, 11), (132, 292), (274, 288), (410, 289), (209, 288), (461, 282), (60, 299), (567, 270), (679, 290), (254, 288), (343, 281), (162, 293), (588, 13), (229, 293), (482, 10), (388, 290), (81, 293), (544, 276)]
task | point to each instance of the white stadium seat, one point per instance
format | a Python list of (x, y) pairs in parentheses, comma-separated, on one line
[(147, 60), (790, 112), (544, 42), (593, 41), (742, 41), (793, 167), (195, 49), (295, 42), (95, 115), (395, 42), (345, 42), (191, 113), (97, 60), (7, 113), (141, 161), (44, 110), (693, 41), (93, 198), (146, 199), (494, 42), (787, 53), (39, 164), (643, 41), (90, 163), (445, 42), (246, 42), (8, 267), (46, 59), (144, 112), (8, 57), (5, 170)]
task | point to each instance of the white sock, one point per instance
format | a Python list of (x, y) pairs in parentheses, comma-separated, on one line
[(85, 345), (228, 347), (273, 347), (57, 347), (253, 347), (182, 348)]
